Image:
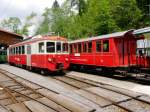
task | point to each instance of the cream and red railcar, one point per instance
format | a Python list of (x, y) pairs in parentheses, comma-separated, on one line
[(143, 48), (47, 53), (116, 50)]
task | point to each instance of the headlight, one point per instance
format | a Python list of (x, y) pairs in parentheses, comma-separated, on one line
[(50, 59), (66, 59)]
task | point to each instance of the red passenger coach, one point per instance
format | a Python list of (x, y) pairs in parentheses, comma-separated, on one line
[(116, 50), (47, 53)]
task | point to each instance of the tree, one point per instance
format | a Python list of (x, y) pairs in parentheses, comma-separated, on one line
[(144, 6), (126, 14), (94, 17), (12, 24), (96, 20), (79, 4), (44, 26), (55, 4)]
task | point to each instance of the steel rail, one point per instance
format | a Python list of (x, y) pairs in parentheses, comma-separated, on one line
[(32, 89), (113, 103), (83, 80)]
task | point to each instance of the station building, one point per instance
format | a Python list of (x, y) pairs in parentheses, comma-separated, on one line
[(7, 38)]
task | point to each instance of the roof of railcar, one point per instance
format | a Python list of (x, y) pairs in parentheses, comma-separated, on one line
[(142, 31), (112, 35), (40, 38)]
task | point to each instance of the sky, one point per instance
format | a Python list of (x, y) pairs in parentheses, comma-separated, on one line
[(23, 8)]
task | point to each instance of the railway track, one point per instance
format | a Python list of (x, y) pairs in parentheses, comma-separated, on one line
[(88, 88), (78, 95), (20, 95)]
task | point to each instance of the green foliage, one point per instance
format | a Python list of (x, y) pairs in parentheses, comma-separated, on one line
[(44, 26), (12, 24), (127, 15), (144, 6), (85, 18), (15, 25), (93, 17)]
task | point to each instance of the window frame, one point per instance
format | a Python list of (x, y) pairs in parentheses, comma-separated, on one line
[(54, 49)]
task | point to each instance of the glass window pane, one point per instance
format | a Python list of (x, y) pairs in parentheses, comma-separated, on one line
[(19, 49), (50, 47), (71, 49), (28, 49), (79, 48), (58, 47), (89, 47), (84, 47), (75, 48), (106, 46), (98, 46), (65, 47), (23, 51), (16, 50), (41, 47), (148, 52)]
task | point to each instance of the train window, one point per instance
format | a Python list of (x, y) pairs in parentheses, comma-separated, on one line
[(148, 52), (84, 47), (13, 50), (58, 47), (89, 47), (71, 49), (65, 47), (79, 48), (41, 47), (50, 47), (10, 51), (106, 46), (29, 49), (23, 51), (19, 49), (98, 46), (140, 52), (75, 48)]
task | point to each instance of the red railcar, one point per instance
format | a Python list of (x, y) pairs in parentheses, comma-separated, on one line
[(116, 50), (47, 53)]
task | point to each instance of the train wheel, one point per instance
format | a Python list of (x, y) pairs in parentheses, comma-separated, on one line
[(43, 72)]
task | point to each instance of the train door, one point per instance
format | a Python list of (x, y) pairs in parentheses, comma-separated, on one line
[(120, 51), (29, 55)]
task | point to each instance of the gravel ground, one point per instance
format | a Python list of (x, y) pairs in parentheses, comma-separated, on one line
[(136, 106), (111, 108)]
